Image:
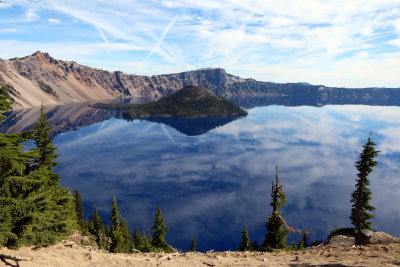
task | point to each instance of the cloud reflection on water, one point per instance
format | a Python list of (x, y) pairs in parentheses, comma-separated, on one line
[(208, 186)]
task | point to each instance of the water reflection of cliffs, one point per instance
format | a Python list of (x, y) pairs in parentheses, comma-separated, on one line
[(73, 117), (350, 98), (64, 118)]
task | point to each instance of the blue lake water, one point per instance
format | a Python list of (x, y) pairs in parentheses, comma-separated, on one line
[(210, 184)]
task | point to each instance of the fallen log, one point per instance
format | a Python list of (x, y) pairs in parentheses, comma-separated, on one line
[(3, 258), (172, 248), (169, 256)]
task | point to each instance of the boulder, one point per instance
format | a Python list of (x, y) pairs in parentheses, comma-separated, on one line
[(379, 237), (363, 237)]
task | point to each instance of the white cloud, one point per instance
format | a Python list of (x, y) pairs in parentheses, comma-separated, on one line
[(316, 41), (56, 21), (391, 139), (8, 30), (4, 5), (31, 15)]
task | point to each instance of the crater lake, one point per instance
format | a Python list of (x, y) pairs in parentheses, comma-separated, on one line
[(212, 176)]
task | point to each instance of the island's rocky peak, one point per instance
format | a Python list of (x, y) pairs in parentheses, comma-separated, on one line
[(39, 78), (194, 92)]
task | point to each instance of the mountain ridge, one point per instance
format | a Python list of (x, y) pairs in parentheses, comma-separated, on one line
[(40, 78)]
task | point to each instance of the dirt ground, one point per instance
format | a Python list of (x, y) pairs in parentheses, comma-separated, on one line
[(71, 254)]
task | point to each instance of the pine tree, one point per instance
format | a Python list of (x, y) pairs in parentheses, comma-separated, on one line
[(160, 231), (34, 209), (303, 243), (245, 242), (121, 238), (193, 245), (126, 244), (79, 208), (147, 243), (137, 240), (45, 148), (276, 235), (98, 230), (362, 194), (13, 160), (255, 246), (115, 230), (108, 230)]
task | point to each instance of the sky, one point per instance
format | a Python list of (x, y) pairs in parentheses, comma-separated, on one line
[(331, 42)]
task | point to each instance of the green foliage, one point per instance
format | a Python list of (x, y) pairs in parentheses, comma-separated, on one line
[(137, 239), (83, 225), (245, 242), (255, 246), (98, 230), (45, 149), (120, 237), (13, 160), (303, 243), (193, 245), (160, 231), (360, 216), (189, 102), (142, 242), (79, 208), (127, 245), (34, 209), (115, 229), (38, 212), (147, 243), (5, 102), (277, 234)]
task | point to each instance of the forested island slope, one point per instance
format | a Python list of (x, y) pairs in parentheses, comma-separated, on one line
[(189, 102)]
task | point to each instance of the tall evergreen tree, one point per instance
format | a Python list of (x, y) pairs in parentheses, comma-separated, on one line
[(34, 209), (160, 231), (193, 245), (13, 160), (79, 208), (137, 239), (245, 244), (361, 196), (115, 229), (147, 243), (45, 148), (121, 238), (127, 243), (98, 229), (276, 235)]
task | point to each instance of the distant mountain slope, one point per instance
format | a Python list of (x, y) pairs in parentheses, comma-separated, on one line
[(40, 77)]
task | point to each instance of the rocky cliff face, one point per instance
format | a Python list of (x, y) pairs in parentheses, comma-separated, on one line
[(40, 78)]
